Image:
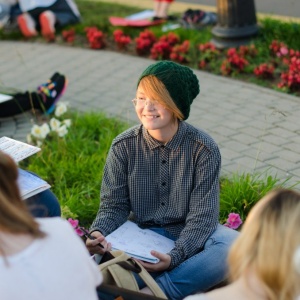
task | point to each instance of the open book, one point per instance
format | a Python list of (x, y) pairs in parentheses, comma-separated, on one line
[(28, 183), (138, 242)]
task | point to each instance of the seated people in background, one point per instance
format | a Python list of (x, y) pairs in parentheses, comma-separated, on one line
[(166, 172), (44, 98), (262, 260), (45, 16), (39, 258)]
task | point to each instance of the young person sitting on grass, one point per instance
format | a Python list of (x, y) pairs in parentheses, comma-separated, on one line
[(39, 258), (264, 262), (165, 173)]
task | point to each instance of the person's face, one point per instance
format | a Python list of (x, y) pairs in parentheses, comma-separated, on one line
[(153, 115)]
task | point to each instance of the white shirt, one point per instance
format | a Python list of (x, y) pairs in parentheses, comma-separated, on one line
[(32, 4), (55, 267)]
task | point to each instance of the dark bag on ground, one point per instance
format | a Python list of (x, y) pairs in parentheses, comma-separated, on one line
[(117, 269), (195, 19)]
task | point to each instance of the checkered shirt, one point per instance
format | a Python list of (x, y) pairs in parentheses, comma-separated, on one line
[(175, 186)]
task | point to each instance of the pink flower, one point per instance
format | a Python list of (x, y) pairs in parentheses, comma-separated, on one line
[(233, 221), (79, 231), (74, 223), (284, 50)]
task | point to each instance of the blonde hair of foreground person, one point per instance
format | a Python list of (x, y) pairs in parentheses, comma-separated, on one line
[(42, 257), (261, 263)]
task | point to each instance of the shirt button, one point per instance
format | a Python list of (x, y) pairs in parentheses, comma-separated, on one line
[(163, 184), (163, 161), (163, 203)]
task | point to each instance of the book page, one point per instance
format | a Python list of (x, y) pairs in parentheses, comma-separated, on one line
[(30, 184), (4, 98), (138, 242), (17, 150)]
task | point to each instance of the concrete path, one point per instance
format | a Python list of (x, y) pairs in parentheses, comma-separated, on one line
[(256, 128)]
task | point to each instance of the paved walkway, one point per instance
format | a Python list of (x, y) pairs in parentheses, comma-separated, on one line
[(256, 128)]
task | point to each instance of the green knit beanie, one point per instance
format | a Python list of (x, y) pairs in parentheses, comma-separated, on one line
[(180, 81)]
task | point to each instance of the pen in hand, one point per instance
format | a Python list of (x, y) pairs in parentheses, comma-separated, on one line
[(88, 235)]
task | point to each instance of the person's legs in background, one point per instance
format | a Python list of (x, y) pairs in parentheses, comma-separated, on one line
[(161, 8), (44, 204), (44, 98)]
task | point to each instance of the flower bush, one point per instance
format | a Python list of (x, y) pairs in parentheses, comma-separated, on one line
[(95, 37), (121, 39), (180, 52), (57, 126), (68, 35), (163, 47), (264, 71), (144, 42), (235, 62)]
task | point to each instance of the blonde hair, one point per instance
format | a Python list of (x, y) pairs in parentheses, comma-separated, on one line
[(267, 243), (155, 89), (14, 216)]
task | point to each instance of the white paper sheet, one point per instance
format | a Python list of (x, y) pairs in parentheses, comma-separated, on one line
[(17, 150), (138, 242)]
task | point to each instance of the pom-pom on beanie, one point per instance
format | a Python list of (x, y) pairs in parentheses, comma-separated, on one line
[(180, 81)]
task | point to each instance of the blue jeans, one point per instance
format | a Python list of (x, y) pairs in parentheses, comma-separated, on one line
[(44, 204), (200, 272)]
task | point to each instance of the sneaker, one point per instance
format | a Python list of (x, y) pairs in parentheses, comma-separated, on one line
[(52, 91), (47, 22), (52, 78), (27, 25)]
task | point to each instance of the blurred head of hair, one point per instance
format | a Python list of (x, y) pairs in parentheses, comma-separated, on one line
[(15, 217), (267, 244)]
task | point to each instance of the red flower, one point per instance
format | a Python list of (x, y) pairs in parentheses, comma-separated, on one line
[(95, 37), (179, 53), (121, 39), (69, 35), (264, 71), (144, 42)]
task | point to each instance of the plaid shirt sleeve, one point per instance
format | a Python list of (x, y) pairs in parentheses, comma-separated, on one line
[(115, 205)]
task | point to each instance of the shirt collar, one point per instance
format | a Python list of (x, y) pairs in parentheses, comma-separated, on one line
[(173, 144)]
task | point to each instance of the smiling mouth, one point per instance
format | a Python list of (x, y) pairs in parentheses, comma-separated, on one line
[(151, 117)]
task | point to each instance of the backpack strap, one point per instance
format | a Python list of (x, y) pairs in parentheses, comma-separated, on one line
[(120, 271)]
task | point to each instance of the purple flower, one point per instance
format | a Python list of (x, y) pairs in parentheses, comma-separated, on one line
[(233, 221)]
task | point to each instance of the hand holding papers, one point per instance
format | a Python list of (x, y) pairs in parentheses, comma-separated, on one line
[(138, 242)]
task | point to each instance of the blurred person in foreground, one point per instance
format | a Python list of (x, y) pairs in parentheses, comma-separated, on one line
[(39, 258), (264, 261)]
